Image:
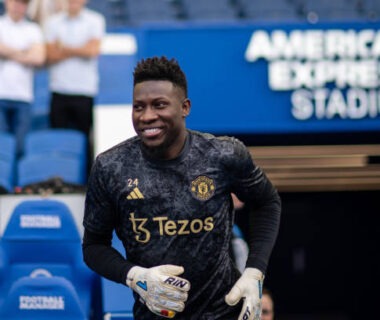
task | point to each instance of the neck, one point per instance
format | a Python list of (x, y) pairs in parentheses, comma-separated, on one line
[(74, 13)]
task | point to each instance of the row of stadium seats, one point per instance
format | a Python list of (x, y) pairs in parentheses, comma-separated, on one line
[(42, 273), (131, 12), (47, 154)]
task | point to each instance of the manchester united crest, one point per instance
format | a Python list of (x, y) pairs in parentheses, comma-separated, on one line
[(203, 188)]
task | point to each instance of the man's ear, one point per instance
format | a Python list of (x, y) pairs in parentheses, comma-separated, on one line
[(186, 106)]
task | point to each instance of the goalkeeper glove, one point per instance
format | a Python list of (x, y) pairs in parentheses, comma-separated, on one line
[(249, 287), (160, 289)]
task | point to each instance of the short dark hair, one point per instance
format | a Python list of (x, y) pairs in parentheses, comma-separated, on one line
[(160, 68)]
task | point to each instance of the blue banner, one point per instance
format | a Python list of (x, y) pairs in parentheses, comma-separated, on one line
[(290, 78)]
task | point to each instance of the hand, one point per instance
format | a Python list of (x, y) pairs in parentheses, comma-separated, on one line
[(249, 287), (159, 288)]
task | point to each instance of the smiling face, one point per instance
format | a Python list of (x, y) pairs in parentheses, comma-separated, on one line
[(159, 112)]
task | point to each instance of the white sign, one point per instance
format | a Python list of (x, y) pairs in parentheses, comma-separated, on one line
[(332, 73), (41, 303), (40, 221)]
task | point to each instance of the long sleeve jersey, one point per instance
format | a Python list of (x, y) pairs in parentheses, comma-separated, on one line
[(179, 212)]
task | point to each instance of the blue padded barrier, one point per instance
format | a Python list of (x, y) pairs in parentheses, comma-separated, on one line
[(42, 237)]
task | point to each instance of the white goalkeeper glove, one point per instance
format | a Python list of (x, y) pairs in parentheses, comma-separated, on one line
[(160, 289), (248, 287)]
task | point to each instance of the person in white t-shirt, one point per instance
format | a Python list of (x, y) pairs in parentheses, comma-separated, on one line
[(73, 40), (21, 50)]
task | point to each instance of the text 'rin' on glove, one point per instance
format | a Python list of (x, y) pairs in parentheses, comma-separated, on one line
[(160, 289)]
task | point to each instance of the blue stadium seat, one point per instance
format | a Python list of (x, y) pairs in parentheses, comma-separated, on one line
[(8, 146), (59, 142), (327, 10), (370, 9), (268, 10), (42, 298), (40, 108), (38, 168), (144, 11), (210, 10), (6, 176), (41, 237), (114, 11)]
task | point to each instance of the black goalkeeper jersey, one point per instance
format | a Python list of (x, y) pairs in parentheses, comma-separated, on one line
[(180, 212)]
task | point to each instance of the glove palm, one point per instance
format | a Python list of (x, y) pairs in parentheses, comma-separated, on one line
[(249, 288)]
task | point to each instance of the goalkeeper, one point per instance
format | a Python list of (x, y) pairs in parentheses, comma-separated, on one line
[(167, 194)]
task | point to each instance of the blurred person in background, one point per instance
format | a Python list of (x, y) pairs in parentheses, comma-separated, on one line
[(267, 305), (21, 51), (41, 10), (73, 41)]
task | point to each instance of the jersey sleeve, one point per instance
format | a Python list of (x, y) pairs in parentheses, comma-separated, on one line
[(253, 187), (99, 210), (99, 223)]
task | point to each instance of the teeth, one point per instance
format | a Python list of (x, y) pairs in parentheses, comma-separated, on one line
[(153, 130)]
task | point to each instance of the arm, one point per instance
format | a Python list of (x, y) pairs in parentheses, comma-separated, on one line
[(255, 189), (252, 187), (57, 52), (101, 257), (33, 56), (264, 222), (6, 52)]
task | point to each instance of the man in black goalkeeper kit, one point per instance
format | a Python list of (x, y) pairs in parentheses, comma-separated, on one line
[(167, 193)]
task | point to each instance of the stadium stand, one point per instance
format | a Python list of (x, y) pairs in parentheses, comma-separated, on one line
[(41, 238), (143, 11), (369, 8), (6, 177), (211, 10), (326, 10), (269, 10), (8, 146), (40, 109), (115, 11), (53, 153), (129, 13), (57, 142), (39, 168)]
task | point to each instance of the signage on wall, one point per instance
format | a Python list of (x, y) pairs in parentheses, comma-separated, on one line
[(330, 73), (274, 78)]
